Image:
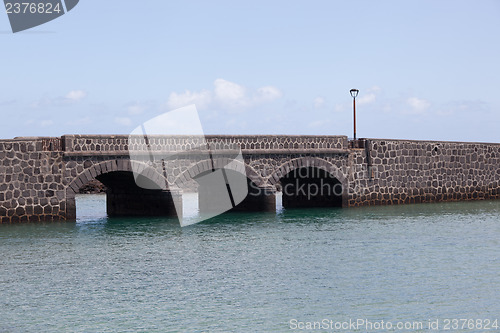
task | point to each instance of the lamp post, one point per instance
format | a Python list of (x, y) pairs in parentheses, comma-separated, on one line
[(354, 93)]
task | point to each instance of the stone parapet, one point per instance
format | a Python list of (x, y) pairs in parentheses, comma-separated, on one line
[(100, 144)]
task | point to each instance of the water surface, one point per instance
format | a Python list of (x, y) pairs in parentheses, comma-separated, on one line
[(250, 271)]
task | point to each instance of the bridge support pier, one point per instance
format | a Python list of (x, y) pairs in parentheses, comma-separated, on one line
[(259, 199), (142, 202)]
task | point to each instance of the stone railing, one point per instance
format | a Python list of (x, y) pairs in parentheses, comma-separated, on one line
[(121, 144), (32, 144)]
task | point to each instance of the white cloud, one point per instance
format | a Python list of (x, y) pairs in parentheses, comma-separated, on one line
[(370, 96), (42, 102), (339, 108), (7, 102), (267, 94), (374, 89), (367, 99), (73, 96), (80, 121), (124, 121), (316, 123), (41, 123), (202, 99), (230, 94), (387, 108), (135, 109), (76, 95), (461, 107), (417, 105), (226, 95), (46, 123), (319, 102)]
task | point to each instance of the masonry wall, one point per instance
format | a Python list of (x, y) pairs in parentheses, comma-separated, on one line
[(387, 172), (40, 176), (38, 180), (31, 180)]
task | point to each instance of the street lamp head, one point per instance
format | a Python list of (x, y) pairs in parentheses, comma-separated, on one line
[(354, 93)]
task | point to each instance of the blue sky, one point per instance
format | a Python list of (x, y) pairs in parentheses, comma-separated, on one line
[(425, 69)]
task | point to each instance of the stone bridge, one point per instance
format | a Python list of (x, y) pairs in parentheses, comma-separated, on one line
[(40, 176)]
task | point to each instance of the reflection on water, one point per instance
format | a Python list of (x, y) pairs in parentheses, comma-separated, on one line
[(250, 271)]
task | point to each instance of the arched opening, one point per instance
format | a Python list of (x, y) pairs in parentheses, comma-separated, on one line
[(91, 201), (224, 184), (124, 197), (310, 187), (223, 190), (93, 187)]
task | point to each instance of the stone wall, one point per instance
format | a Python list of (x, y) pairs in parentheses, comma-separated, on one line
[(31, 180), (39, 177), (387, 172)]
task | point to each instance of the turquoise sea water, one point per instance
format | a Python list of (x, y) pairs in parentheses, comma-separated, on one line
[(252, 272)]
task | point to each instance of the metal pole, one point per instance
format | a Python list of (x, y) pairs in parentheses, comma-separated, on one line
[(354, 107)]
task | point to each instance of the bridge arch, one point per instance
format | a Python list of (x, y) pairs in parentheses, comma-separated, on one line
[(311, 162), (206, 166), (108, 166), (259, 197), (123, 195)]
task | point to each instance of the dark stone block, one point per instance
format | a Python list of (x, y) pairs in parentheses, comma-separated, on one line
[(38, 210), (34, 218), (8, 195), (20, 211)]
